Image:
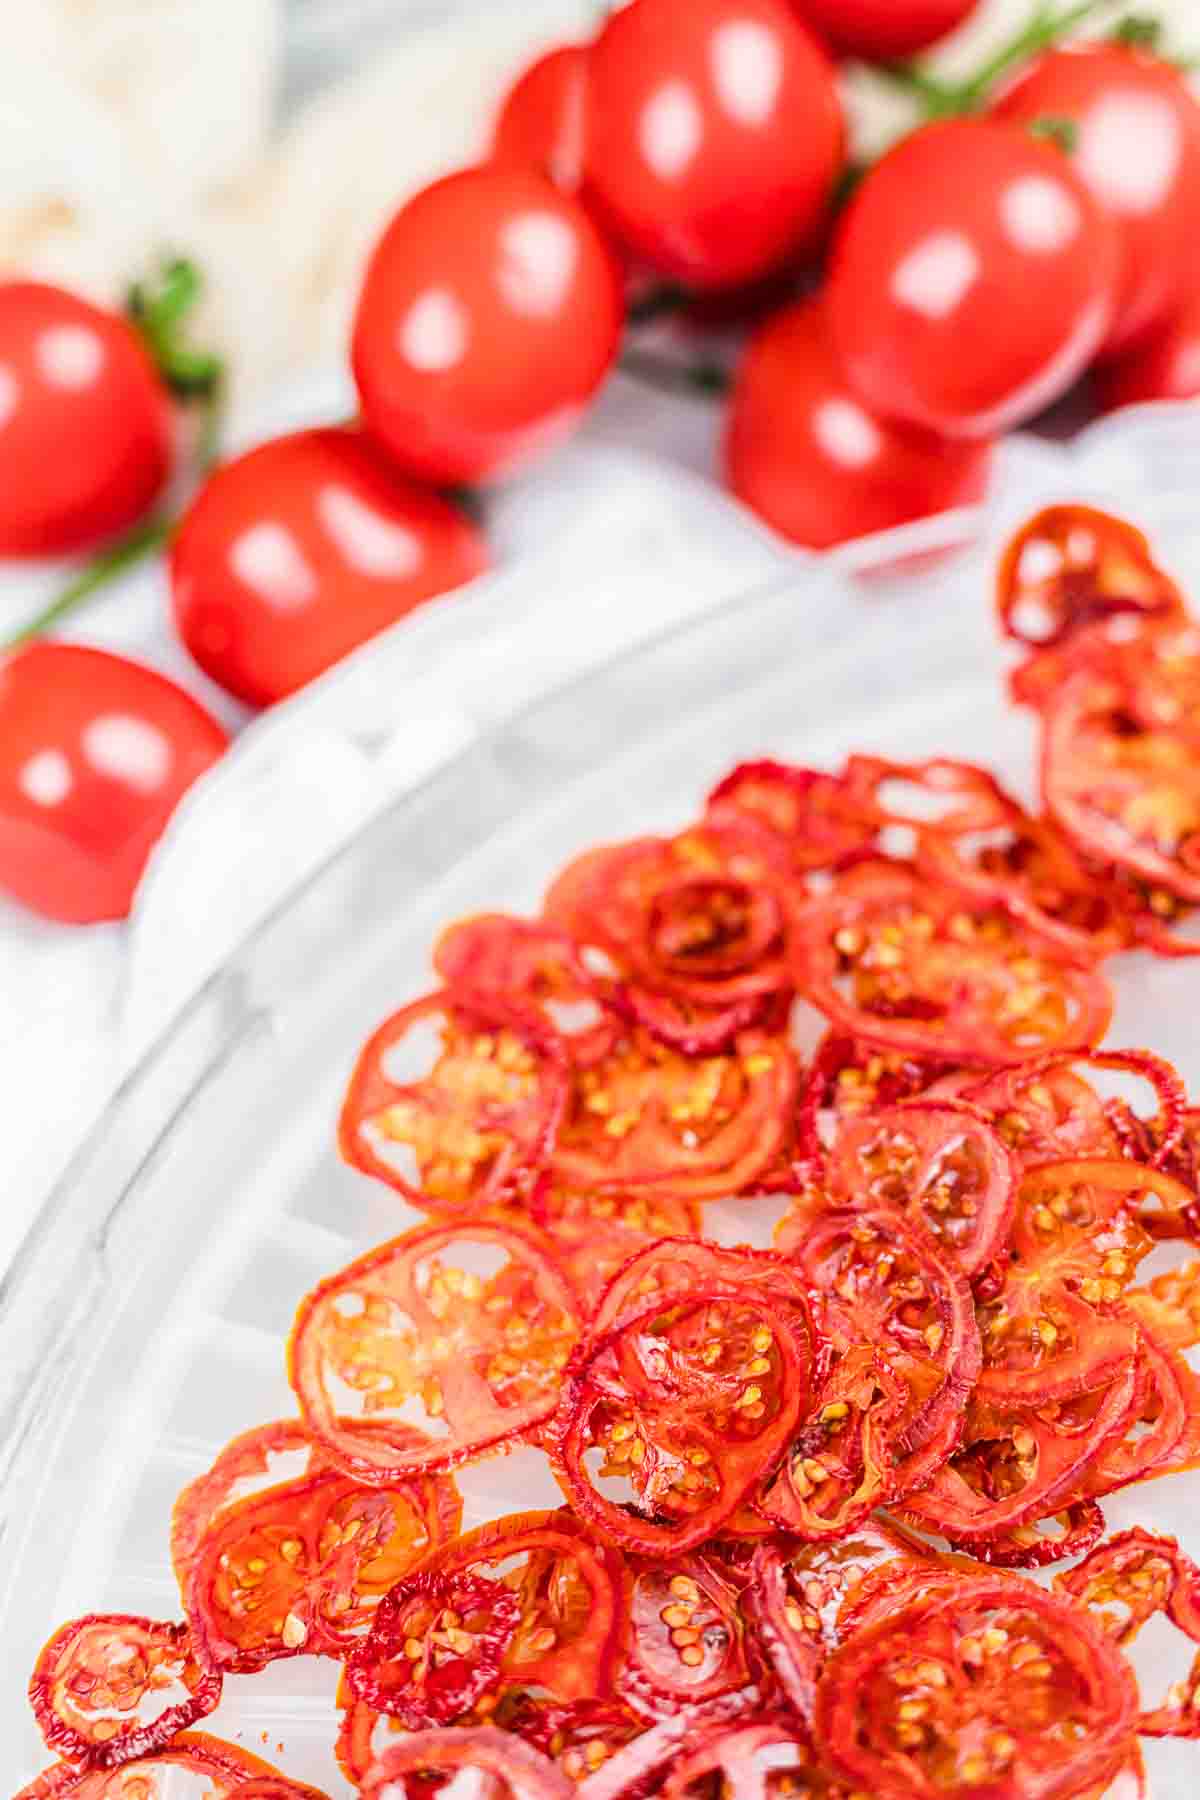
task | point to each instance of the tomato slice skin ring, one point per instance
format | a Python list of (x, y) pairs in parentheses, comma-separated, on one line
[(63, 1688), (399, 1277)]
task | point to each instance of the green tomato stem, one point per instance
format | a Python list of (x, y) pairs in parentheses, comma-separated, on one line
[(1045, 27), (125, 554), (702, 378)]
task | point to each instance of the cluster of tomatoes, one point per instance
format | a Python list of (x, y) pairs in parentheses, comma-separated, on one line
[(1040, 224), (754, 1447)]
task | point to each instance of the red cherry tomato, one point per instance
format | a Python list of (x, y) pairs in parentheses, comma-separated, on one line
[(1138, 150), (85, 422), (490, 313), (1163, 366), (714, 135), (806, 454), (95, 752), (540, 124), (291, 556), (935, 268), (878, 30)]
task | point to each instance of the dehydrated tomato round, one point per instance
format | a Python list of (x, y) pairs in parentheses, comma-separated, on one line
[(434, 1648), (893, 960), (804, 812), (938, 1161), (455, 1100), (301, 1568), (1119, 764), (112, 1687), (796, 1596), (193, 1762), (986, 1685), (841, 1464), (885, 1282), (1048, 1112), (424, 1759), (526, 962), (1054, 1328), (699, 1128), (680, 1410), (1071, 565), (1123, 1583), (566, 1587), (579, 1737), (685, 1641), (481, 1348)]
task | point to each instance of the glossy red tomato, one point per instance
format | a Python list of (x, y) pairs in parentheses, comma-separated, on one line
[(1138, 150), (935, 270), (95, 752), (714, 135), (291, 556), (877, 30), (540, 123), (85, 422), (490, 314), (804, 452), (1163, 366)]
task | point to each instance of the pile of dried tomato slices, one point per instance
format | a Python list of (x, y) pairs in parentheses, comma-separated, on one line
[(799, 1485)]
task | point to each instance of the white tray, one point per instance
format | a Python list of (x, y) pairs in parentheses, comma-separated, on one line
[(143, 1323)]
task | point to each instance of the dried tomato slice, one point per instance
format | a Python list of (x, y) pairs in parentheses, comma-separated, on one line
[(841, 1463), (455, 1101), (1170, 1306), (1157, 1439), (1049, 1113), (688, 1404), (1054, 1327), (985, 1685), (566, 1585), (301, 1568), (1023, 1468), (847, 1079), (434, 1648), (893, 960), (482, 1351), (208, 1766), (647, 1116), (111, 1687), (685, 1639), (526, 962), (1119, 770), (1071, 565), (579, 1736), (1123, 1583), (796, 1596), (939, 1162), (673, 1270), (886, 1283), (802, 811), (507, 1768)]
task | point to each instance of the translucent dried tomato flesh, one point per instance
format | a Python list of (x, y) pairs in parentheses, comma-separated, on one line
[(434, 1648), (984, 1682), (893, 960), (685, 1637), (112, 1687), (1071, 565), (455, 1100), (481, 1350)]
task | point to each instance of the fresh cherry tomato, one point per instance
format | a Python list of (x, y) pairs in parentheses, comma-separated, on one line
[(291, 556), (490, 313), (1138, 151), (85, 422), (540, 123), (934, 268), (805, 454), (95, 752), (714, 135), (1162, 366), (878, 30)]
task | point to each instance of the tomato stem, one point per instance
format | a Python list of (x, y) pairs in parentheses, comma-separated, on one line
[(125, 554), (673, 377), (1045, 27)]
